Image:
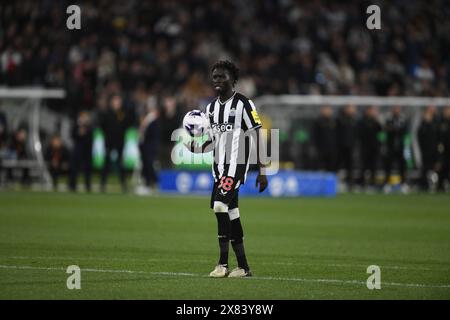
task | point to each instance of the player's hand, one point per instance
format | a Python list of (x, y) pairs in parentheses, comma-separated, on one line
[(262, 181), (191, 146), (188, 145)]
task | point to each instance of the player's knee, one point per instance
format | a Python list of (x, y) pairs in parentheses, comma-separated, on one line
[(219, 206), (233, 213)]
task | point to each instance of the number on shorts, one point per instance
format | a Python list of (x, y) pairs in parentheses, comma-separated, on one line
[(226, 183)]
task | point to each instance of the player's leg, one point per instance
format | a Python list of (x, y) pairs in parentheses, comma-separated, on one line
[(404, 187), (122, 169), (223, 233), (444, 172), (105, 169), (74, 165), (387, 171), (237, 240), (87, 166)]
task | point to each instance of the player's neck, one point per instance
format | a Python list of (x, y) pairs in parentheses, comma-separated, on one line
[(226, 96)]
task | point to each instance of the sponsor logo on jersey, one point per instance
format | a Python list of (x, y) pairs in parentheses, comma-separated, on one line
[(256, 117), (222, 127)]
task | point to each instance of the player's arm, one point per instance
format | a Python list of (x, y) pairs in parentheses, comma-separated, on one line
[(251, 121)]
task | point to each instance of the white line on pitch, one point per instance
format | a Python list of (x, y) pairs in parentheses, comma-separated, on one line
[(417, 285), (205, 261)]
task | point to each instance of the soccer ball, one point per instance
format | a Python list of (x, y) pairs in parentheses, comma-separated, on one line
[(196, 123)]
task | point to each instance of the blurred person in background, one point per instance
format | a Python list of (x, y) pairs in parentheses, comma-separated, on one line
[(57, 158), (396, 128), (114, 122), (346, 131), (10, 62), (368, 131), (81, 158), (170, 120), (17, 150), (427, 135), (444, 148), (324, 135), (3, 142), (149, 139), (3, 130)]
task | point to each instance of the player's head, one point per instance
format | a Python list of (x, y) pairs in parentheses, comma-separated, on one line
[(431, 109), (372, 111), (396, 110), (350, 110), (116, 101), (225, 74), (326, 111), (56, 141), (446, 112)]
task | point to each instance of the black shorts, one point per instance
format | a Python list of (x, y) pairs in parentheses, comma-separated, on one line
[(226, 191)]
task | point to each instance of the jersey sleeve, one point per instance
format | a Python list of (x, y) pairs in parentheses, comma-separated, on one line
[(250, 117)]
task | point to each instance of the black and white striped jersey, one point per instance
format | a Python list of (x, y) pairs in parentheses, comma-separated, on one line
[(233, 122)]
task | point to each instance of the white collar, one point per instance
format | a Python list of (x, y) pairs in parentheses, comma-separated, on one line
[(218, 99)]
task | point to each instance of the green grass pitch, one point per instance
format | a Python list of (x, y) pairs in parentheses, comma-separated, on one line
[(163, 247)]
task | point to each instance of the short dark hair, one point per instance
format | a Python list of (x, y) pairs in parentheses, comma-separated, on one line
[(227, 65)]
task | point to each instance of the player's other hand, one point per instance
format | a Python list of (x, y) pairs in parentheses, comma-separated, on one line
[(262, 181)]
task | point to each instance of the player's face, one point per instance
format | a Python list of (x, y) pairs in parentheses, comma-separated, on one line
[(222, 80), (396, 111), (446, 112)]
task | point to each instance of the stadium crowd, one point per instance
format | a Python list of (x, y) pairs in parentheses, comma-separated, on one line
[(282, 47), (137, 61)]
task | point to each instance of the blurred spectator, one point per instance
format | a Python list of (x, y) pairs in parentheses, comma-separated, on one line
[(428, 141), (396, 128), (369, 129), (57, 157), (324, 135), (10, 61), (444, 148), (149, 133), (3, 130), (346, 133), (3, 142), (114, 122), (171, 118), (18, 150), (81, 157)]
